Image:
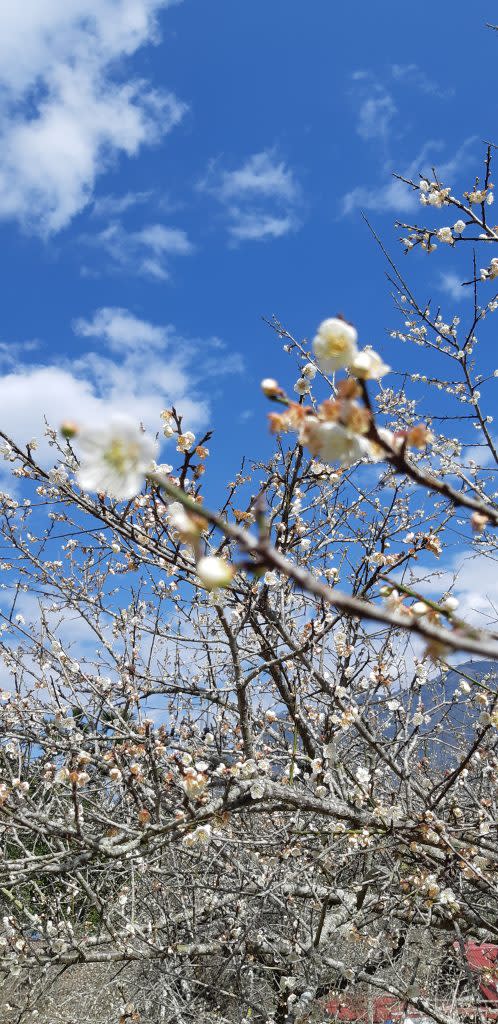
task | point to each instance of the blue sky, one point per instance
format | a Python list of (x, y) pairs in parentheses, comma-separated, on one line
[(172, 172)]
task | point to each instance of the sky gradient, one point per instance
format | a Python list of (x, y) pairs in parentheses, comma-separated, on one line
[(173, 172)]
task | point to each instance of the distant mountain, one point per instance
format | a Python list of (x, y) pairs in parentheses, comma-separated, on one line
[(456, 718)]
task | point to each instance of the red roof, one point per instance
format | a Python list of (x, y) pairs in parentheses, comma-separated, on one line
[(356, 1009), (481, 957)]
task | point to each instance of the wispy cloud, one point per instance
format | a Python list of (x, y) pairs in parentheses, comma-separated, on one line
[(375, 116), (374, 105), (147, 251), (390, 197), (393, 196), (412, 75), (114, 206), (259, 199), (127, 363), (65, 110), (450, 283)]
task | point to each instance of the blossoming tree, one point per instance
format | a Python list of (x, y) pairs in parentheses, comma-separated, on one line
[(240, 779)]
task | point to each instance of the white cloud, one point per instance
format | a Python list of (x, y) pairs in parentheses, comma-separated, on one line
[(474, 579), (65, 113), (136, 366), (146, 251), (258, 226), (121, 330), (259, 198), (261, 175)]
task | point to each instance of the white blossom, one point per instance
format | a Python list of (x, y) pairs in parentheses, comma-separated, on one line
[(115, 458), (335, 345), (309, 370), (302, 386), (335, 443), (368, 365), (185, 441)]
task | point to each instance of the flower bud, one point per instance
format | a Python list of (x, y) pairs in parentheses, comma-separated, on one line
[(270, 387), (69, 429), (419, 609), (478, 521), (214, 572)]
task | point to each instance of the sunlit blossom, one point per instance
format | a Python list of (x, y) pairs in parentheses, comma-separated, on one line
[(115, 458), (335, 344), (368, 365), (334, 443)]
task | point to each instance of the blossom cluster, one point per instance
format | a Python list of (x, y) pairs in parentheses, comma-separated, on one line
[(341, 430)]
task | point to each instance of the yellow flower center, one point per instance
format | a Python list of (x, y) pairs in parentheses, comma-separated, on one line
[(120, 456), (336, 344)]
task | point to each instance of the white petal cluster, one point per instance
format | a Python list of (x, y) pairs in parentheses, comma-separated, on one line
[(302, 386), (185, 441), (199, 837), (445, 235), (336, 348), (433, 194), (489, 273), (115, 458)]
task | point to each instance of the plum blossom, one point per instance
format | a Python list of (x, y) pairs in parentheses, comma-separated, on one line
[(185, 441), (335, 344), (368, 365), (309, 370), (363, 776), (115, 458), (200, 836), (333, 442)]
